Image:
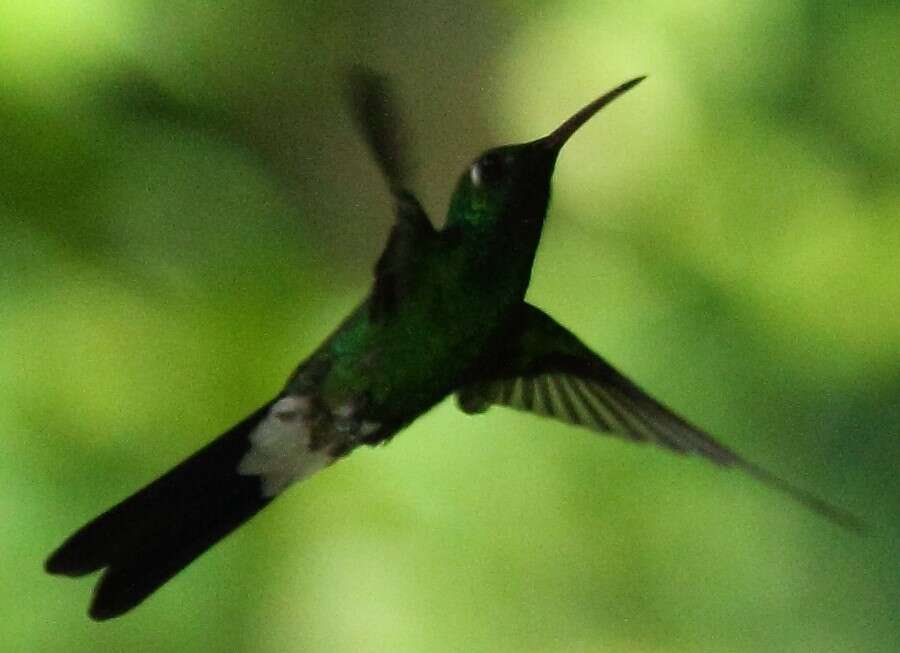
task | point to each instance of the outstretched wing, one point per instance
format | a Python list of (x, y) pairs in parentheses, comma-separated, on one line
[(377, 120), (543, 368)]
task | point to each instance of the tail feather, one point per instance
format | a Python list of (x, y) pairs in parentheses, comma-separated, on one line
[(150, 536)]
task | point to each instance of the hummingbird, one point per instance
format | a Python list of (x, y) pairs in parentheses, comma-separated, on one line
[(446, 314)]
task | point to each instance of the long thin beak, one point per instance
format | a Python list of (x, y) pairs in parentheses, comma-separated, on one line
[(558, 137)]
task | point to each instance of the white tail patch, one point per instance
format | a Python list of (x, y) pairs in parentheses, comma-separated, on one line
[(280, 452)]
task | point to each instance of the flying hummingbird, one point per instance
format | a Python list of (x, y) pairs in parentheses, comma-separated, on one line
[(446, 314)]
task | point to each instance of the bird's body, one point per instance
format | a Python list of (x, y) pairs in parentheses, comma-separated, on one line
[(446, 315)]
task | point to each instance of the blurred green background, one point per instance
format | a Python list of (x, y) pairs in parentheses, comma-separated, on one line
[(186, 212)]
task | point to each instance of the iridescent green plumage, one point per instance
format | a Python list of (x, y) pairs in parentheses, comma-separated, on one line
[(446, 315)]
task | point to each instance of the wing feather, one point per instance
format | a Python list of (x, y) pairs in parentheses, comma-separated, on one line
[(542, 368)]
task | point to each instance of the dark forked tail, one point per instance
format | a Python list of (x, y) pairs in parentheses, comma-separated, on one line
[(152, 535)]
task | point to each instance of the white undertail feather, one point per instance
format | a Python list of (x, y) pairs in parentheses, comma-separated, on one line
[(281, 452)]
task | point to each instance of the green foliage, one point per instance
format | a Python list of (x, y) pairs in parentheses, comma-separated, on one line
[(186, 212)]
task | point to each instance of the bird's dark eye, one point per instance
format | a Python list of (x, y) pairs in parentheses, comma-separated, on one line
[(487, 170)]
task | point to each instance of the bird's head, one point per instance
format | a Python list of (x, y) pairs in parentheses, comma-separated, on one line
[(509, 186)]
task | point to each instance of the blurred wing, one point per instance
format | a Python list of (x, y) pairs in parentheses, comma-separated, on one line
[(544, 369), (373, 110), (377, 119)]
